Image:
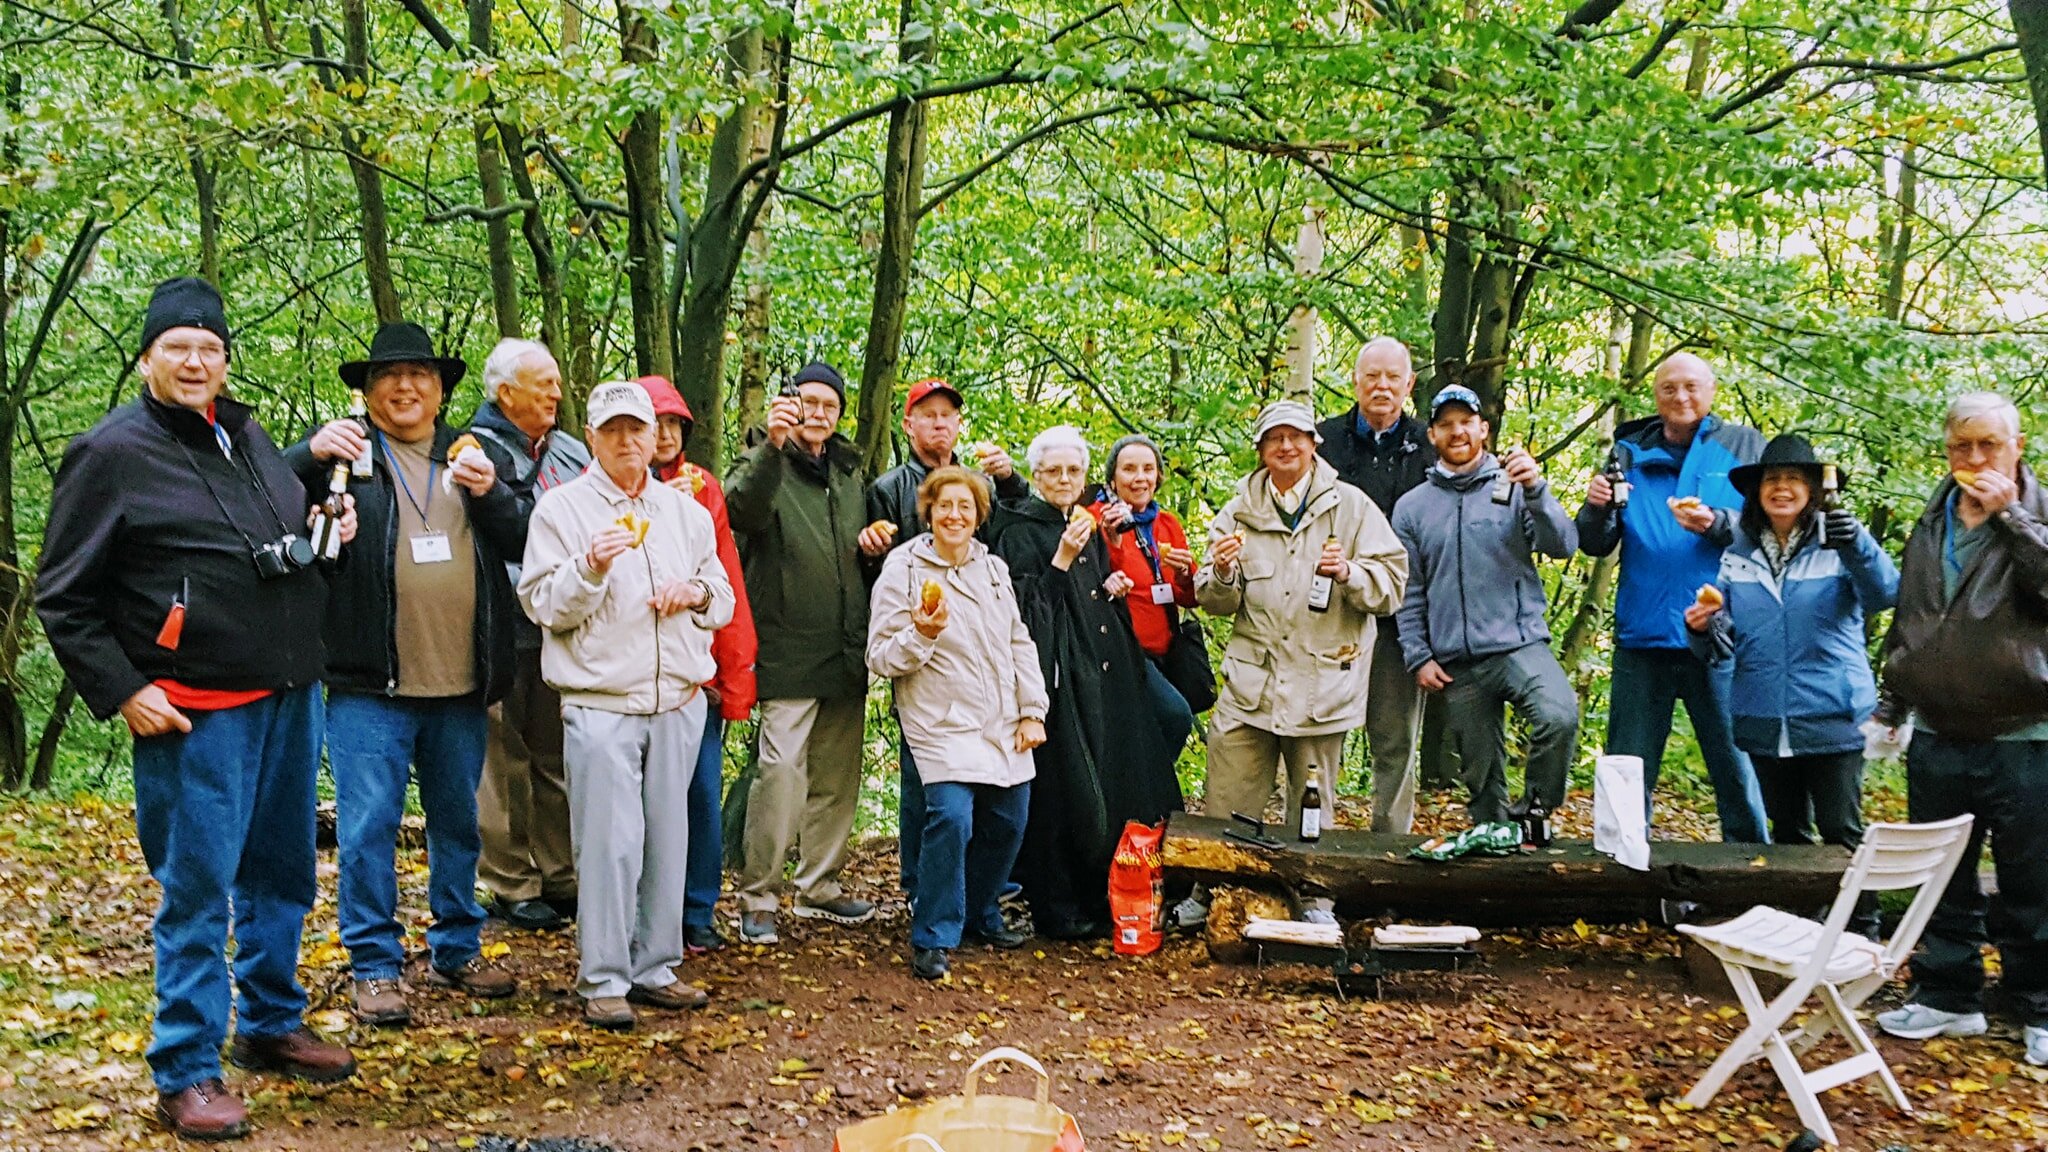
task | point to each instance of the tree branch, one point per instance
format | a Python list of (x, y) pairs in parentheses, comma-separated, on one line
[(1779, 78)]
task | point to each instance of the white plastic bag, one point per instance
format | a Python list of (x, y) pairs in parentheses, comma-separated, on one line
[(1882, 743), (1621, 823)]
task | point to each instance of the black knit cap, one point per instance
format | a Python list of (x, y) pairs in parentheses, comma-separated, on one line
[(819, 372), (185, 302)]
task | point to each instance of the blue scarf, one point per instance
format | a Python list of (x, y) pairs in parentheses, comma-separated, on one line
[(1147, 543)]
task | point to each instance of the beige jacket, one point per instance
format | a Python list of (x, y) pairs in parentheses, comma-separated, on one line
[(959, 695), (602, 646), (1288, 670)]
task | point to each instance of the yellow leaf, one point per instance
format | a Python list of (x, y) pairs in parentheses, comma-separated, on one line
[(1582, 930), (791, 1065), (497, 950), (1968, 1086), (1759, 862)]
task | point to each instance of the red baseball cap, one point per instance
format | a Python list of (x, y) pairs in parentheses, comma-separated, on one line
[(926, 387)]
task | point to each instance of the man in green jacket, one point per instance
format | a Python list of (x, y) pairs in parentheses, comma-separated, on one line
[(797, 502)]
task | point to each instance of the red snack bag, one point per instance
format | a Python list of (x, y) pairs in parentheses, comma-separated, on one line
[(1137, 907)]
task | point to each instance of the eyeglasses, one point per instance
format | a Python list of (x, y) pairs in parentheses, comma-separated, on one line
[(1989, 446), (179, 351), (817, 407), (1059, 471)]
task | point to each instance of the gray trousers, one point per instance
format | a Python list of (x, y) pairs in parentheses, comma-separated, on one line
[(1393, 719), (805, 793), (629, 816), (1532, 682)]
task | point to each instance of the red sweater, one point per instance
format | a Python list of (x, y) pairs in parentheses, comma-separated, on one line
[(1148, 620), (734, 646)]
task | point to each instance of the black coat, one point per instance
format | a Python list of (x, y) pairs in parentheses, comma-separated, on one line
[(362, 615), (1386, 474), (893, 497), (1098, 768), (147, 513)]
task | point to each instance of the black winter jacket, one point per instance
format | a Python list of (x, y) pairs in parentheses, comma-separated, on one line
[(148, 513), (1387, 475), (362, 617), (893, 497)]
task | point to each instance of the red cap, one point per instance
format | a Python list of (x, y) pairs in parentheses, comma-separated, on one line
[(926, 387)]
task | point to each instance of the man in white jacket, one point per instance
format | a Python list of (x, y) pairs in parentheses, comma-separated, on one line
[(623, 577)]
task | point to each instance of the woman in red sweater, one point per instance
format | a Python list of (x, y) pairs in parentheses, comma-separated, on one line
[(1148, 546)]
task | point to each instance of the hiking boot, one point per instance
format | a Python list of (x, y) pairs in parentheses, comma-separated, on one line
[(842, 910), (998, 937), (674, 997), (526, 915), (701, 938), (610, 1013), (1920, 1022), (476, 976), (758, 928), (381, 1004), (564, 906), (929, 963), (298, 1054), (2037, 1045), (205, 1111)]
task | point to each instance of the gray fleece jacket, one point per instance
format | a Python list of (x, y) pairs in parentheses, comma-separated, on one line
[(1473, 590)]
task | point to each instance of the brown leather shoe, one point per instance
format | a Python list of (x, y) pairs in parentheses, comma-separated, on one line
[(611, 1013), (205, 1111), (673, 997), (478, 977), (381, 1004), (298, 1054)]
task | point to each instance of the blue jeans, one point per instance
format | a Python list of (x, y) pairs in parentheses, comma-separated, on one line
[(971, 836), (909, 818), (1176, 719), (371, 742), (1647, 683), (704, 875), (225, 816)]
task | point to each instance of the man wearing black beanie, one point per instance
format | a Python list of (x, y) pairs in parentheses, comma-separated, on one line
[(178, 590)]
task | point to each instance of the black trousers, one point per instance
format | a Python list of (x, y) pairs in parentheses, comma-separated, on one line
[(2005, 785), (1805, 792)]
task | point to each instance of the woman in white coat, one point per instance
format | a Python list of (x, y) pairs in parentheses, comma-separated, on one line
[(944, 625)]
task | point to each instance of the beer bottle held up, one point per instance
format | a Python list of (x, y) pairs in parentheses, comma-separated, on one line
[(1616, 479), (1503, 488), (1311, 809), (1319, 588), (366, 463), (1830, 488), (326, 531)]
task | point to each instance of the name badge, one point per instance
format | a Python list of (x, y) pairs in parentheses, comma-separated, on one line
[(1162, 593), (431, 548)]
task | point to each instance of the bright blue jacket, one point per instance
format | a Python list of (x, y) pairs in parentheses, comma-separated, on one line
[(1802, 672), (1662, 564)]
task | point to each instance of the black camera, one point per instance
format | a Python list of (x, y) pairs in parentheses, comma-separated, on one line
[(283, 556)]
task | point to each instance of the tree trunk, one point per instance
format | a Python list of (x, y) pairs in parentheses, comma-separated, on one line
[(646, 276), (52, 738), (1898, 238), (902, 193), (756, 318), (490, 175), (375, 219), (2030, 27), (1450, 328), (1301, 322), (1370, 872), (202, 170), (1578, 635)]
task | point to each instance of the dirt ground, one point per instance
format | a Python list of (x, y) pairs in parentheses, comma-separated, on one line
[(1565, 1038)]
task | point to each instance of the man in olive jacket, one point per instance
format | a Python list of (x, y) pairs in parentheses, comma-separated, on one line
[(797, 501), (1968, 654)]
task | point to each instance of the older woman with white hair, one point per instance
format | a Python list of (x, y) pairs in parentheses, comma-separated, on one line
[(1096, 769)]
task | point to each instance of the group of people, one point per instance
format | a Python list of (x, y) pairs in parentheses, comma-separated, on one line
[(548, 634)]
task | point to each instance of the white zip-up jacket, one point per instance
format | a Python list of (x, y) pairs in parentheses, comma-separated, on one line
[(602, 645)]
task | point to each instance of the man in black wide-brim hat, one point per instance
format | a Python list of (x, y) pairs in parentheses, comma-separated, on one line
[(419, 644)]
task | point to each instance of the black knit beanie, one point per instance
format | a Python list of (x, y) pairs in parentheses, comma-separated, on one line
[(819, 372), (186, 302)]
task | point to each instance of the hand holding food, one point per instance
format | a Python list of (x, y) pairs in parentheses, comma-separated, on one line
[(1990, 490), (932, 612), (1692, 513), (876, 538), (930, 595), (468, 466), (637, 525), (1709, 597), (607, 546), (1224, 553)]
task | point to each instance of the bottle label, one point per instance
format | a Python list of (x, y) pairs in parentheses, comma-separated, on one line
[(1311, 823)]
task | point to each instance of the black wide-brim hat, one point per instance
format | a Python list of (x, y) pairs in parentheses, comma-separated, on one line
[(1787, 451), (403, 342)]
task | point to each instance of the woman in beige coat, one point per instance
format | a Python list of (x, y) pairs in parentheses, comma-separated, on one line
[(944, 625)]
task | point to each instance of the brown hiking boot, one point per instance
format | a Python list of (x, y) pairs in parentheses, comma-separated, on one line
[(611, 1013), (205, 1111), (298, 1054), (673, 997), (381, 1004), (478, 977)]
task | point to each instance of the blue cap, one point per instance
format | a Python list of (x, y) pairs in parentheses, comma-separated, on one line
[(1453, 394)]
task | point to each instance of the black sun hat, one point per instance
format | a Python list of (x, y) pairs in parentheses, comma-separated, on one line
[(1789, 450), (403, 342)]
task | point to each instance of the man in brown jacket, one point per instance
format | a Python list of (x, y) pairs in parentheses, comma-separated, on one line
[(1968, 654)]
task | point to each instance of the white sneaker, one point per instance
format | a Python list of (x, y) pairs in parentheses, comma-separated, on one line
[(1318, 916), (1919, 1022), (2037, 1045), (1188, 915)]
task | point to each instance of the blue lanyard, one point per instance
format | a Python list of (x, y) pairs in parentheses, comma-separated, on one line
[(405, 487)]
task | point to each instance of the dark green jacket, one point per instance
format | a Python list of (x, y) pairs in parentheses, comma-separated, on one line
[(800, 550)]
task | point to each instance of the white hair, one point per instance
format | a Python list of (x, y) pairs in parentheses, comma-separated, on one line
[(502, 366), (1982, 406), (1383, 342), (1056, 437)]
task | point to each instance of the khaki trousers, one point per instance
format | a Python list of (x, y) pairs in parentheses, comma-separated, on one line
[(523, 803), (1242, 760), (806, 788), (1393, 724)]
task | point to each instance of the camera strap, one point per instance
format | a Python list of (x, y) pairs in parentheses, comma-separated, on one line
[(257, 480)]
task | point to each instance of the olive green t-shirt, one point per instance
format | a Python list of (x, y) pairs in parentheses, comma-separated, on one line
[(436, 633)]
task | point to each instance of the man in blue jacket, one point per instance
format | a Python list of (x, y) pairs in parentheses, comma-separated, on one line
[(1472, 624), (1679, 517)]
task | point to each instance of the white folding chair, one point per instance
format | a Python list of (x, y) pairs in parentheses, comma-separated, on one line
[(1844, 967)]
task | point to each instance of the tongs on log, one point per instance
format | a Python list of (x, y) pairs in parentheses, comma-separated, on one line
[(1257, 837)]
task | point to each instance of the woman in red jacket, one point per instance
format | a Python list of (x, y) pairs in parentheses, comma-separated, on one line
[(1149, 548), (732, 690)]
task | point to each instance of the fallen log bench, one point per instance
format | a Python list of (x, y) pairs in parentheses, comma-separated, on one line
[(1370, 874)]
